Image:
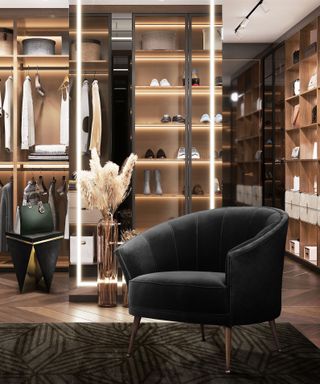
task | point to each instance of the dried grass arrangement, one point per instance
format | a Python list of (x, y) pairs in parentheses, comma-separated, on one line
[(105, 188)]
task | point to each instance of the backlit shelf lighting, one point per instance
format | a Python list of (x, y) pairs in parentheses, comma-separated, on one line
[(44, 166)]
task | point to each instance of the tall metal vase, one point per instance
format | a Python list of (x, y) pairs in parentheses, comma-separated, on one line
[(107, 239)]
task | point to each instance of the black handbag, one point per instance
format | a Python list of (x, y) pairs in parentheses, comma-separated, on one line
[(36, 219)]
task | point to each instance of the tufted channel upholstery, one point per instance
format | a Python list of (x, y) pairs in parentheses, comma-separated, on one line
[(221, 266)]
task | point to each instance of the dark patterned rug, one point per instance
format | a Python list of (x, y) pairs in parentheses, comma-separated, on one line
[(166, 353)]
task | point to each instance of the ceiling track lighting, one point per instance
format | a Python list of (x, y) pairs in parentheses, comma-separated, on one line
[(245, 21)]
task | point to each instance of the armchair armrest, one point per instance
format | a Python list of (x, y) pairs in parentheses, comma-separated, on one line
[(251, 267), (151, 251)]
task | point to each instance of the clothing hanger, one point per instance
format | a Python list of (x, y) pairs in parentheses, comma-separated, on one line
[(65, 83), (63, 188), (43, 189), (37, 83)]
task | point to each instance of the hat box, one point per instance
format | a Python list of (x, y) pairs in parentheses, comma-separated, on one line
[(159, 40), (91, 50), (38, 46)]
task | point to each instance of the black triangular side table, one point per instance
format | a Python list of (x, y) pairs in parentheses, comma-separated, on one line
[(34, 258)]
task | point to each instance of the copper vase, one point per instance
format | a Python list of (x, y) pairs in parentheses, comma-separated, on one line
[(107, 239)]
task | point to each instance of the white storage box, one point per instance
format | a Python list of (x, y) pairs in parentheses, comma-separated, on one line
[(240, 196), (159, 40), (88, 216), (294, 246), (87, 250), (256, 195), (292, 204), (309, 208), (310, 253), (248, 194)]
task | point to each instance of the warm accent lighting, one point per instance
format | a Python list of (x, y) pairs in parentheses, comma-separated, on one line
[(212, 104), (80, 283)]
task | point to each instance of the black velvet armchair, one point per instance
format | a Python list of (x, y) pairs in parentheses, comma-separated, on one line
[(220, 267)]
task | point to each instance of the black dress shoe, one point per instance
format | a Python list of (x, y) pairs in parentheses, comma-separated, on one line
[(149, 154), (161, 154), (197, 190), (166, 119), (178, 119)]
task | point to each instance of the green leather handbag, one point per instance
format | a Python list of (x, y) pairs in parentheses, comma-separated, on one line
[(36, 219)]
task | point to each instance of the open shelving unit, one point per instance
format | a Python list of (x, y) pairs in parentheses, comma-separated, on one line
[(302, 131), (178, 177), (247, 134), (53, 24)]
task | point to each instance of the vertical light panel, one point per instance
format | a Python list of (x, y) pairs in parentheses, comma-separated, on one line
[(80, 282), (212, 102), (78, 134)]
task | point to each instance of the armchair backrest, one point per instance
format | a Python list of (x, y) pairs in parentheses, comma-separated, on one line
[(197, 241)]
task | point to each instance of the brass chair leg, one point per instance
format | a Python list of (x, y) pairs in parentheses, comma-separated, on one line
[(272, 324), (135, 326), (228, 337), (202, 332)]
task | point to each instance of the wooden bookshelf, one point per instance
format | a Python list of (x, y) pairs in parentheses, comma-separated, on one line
[(302, 126)]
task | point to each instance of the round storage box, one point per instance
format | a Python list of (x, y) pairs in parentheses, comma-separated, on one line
[(159, 40), (6, 38), (37, 46), (91, 50)]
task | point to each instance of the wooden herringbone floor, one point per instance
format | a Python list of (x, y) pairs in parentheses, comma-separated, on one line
[(301, 303)]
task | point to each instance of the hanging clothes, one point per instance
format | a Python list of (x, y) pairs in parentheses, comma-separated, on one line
[(64, 117), (95, 140), (27, 116), (85, 114), (0, 103), (7, 109), (6, 213), (31, 193), (52, 202)]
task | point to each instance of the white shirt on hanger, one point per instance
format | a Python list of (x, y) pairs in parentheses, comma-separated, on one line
[(96, 130), (27, 117), (84, 113), (7, 108), (64, 118), (0, 104)]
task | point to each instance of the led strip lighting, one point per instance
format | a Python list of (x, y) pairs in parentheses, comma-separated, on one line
[(212, 103), (80, 282)]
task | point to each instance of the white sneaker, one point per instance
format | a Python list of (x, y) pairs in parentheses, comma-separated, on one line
[(154, 83), (181, 153), (165, 83), (205, 118), (195, 153)]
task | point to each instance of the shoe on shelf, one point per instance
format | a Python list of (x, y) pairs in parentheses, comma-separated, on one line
[(157, 174), (195, 153), (217, 188), (197, 190), (154, 83), (205, 118), (149, 154), (165, 83), (181, 153), (178, 119), (218, 118), (161, 154), (195, 78), (166, 119), (146, 182)]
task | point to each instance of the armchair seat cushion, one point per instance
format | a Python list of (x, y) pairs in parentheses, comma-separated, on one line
[(188, 296)]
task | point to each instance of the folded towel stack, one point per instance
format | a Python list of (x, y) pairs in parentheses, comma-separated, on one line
[(54, 152)]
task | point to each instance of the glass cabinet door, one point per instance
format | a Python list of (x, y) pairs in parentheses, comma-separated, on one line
[(200, 116), (159, 107)]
